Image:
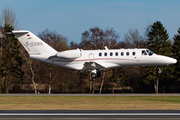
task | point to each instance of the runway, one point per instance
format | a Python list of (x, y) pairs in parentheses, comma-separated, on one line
[(89, 114)]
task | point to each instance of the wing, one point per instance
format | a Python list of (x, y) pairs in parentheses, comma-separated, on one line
[(92, 66)]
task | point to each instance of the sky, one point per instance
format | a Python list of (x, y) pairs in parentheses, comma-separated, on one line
[(71, 18)]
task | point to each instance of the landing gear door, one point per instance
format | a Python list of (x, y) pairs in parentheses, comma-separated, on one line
[(91, 57)]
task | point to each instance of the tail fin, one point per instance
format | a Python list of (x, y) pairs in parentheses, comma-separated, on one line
[(33, 44)]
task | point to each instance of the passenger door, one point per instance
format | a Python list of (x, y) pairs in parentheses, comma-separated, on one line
[(91, 57)]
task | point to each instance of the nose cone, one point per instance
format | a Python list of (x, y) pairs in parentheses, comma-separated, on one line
[(166, 60), (172, 61)]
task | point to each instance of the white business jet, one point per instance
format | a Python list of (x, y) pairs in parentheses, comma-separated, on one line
[(89, 60)]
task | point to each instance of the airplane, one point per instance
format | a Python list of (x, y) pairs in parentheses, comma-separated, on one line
[(89, 60)]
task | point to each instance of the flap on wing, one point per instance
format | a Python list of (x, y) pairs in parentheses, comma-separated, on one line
[(92, 66)]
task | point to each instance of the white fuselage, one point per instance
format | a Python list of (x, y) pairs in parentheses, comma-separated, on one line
[(109, 58)]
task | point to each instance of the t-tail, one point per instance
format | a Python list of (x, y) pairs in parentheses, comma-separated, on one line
[(33, 44)]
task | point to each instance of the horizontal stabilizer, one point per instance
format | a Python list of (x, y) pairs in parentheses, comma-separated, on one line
[(20, 33)]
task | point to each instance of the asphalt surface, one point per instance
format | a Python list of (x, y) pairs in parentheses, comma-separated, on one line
[(90, 114)]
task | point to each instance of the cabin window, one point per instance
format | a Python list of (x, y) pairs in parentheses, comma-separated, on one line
[(127, 53), (105, 54), (111, 54), (144, 52), (116, 53), (122, 53), (100, 54), (134, 53)]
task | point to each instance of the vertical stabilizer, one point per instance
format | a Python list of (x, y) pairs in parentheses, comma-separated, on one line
[(33, 44)]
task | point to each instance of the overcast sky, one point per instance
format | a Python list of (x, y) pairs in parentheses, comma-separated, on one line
[(72, 17)]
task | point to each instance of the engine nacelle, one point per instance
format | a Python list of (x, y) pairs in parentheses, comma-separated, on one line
[(69, 54)]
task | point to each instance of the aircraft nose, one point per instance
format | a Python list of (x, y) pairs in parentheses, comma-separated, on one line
[(167, 60), (172, 61)]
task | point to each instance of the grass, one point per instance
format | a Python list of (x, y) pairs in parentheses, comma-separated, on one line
[(89, 103), (172, 99)]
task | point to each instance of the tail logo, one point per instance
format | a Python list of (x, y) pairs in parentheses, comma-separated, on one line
[(33, 44)]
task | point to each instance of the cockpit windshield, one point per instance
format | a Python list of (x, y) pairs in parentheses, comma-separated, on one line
[(150, 52), (144, 52)]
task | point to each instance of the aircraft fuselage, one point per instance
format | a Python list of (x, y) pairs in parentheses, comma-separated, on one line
[(111, 58)]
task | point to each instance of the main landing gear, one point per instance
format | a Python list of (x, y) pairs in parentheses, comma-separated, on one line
[(95, 73)]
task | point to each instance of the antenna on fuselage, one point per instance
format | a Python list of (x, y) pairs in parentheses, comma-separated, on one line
[(106, 48)]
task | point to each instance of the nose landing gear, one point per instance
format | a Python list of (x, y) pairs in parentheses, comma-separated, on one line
[(159, 69)]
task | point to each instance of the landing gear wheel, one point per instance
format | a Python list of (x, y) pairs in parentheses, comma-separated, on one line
[(93, 75), (160, 70)]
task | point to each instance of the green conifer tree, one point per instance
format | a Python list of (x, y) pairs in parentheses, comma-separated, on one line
[(11, 61), (176, 55), (158, 42)]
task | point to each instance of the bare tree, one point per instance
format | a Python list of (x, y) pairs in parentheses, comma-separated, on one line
[(102, 82), (96, 38), (111, 38), (86, 41), (58, 42), (9, 17), (133, 39), (28, 68), (32, 76), (73, 45), (0, 26), (95, 35)]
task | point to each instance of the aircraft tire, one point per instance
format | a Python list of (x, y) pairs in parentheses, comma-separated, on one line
[(93, 75)]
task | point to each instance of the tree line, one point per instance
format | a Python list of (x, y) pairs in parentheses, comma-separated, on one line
[(20, 74)]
